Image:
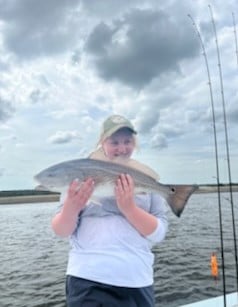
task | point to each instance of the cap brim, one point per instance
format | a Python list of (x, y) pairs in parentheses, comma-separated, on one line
[(115, 129)]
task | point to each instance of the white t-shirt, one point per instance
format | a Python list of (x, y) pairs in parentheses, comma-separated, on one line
[(106, 248)]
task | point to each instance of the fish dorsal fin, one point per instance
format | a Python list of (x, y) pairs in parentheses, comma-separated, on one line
[(99, 155)]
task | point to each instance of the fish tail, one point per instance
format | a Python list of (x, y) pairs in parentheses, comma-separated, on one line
[(179, 196)]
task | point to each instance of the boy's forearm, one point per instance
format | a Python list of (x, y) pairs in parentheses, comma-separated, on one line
[(64, 223), (143, 221)]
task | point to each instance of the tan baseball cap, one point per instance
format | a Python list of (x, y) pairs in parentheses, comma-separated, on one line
[(113, 124)]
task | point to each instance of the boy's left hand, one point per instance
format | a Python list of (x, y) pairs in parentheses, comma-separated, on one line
[(124, 193)]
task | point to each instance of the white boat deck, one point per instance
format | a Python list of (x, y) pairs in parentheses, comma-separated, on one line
[(231, 301)]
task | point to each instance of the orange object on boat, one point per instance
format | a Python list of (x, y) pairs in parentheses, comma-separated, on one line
[(214, 265)]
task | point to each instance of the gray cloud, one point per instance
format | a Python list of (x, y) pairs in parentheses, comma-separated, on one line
[(37, 96), (6, 110), (141, 46), (171, 131), (76, 57), (34, 28), (146, 119), (61, 137), (232, 112), (158, 141), (4, 66), (106, 8)]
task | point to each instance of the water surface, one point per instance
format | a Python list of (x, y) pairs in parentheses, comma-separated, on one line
[(33, 260)]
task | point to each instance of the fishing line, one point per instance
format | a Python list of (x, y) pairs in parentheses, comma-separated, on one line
[(235, 34), (227, 145), (216, 156)]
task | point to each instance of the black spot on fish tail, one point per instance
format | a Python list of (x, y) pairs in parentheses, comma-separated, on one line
[(178, 199)]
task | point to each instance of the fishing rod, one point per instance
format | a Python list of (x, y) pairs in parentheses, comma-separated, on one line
[(227, 144), (216, 156), (235, 34)]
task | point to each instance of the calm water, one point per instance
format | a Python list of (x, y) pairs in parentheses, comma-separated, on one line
[(33, 259)]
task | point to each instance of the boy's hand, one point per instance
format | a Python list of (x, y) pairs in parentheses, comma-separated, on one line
[(78, 194), (124, 193)]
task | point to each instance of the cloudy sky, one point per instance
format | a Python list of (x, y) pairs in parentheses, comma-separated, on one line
[(68, 64)]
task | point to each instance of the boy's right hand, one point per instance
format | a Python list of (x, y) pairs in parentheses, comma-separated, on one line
[(79, 194)]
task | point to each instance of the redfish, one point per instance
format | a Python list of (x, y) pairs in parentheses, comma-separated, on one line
[(59, 176)]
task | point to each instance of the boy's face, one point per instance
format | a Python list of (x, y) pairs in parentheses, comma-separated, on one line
[(119, 144)]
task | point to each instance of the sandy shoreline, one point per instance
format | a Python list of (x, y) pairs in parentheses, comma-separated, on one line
[(214, 189), (23, 199)]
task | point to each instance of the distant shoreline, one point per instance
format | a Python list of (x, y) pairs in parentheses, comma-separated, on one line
[(210, 188), (23, 199), (28, 199), (27, 196), (34, 196)]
